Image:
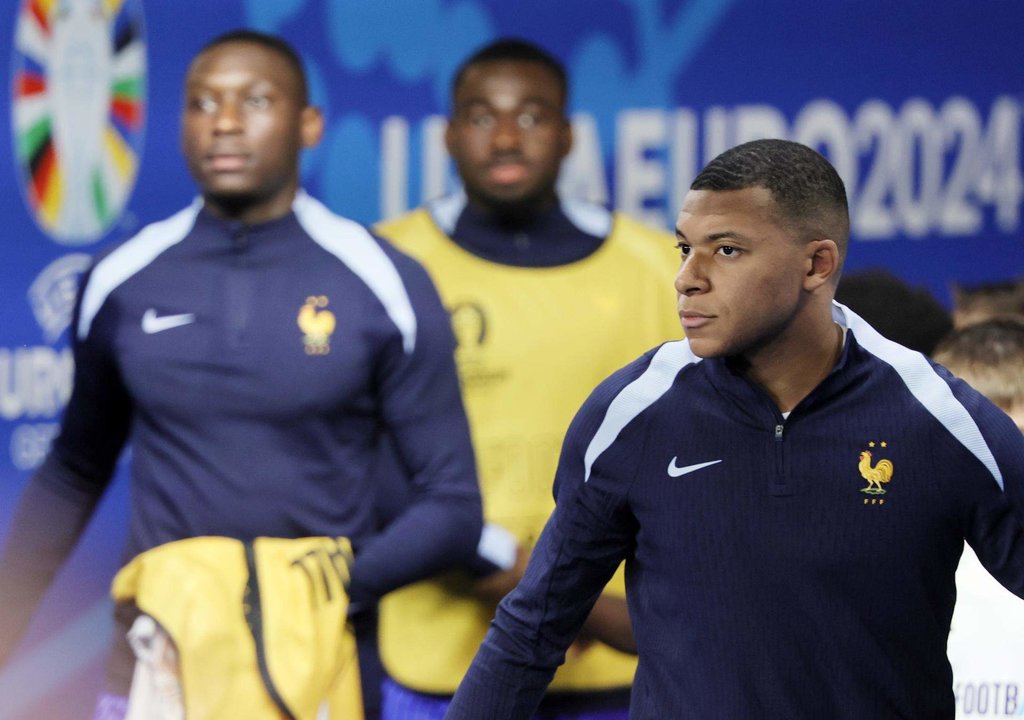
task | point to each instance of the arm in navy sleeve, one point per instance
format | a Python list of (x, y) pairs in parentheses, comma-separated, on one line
[(422, 408), (587, 536), (995, 527), (61, 496)]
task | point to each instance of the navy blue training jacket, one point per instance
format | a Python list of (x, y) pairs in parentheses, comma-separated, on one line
[(254, 369), (798, 567)]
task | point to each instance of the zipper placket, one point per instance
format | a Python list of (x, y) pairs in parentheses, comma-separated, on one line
[(780, 484), (239, 291)]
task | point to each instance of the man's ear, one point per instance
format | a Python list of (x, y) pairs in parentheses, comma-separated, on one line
[(566, 138), (449, 136), (822, 263), (311, 126)]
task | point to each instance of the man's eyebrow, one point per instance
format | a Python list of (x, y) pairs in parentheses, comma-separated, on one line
[(538, 100), (724, 235), (472, 103), (478, 100)]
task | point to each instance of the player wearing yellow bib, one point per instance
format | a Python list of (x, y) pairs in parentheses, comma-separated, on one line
[(547, 298)]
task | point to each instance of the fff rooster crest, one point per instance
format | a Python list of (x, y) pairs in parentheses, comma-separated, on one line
[(877, 474), (317, 325)]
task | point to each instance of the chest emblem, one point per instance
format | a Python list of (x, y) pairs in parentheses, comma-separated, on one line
[(480, 368), (469, 324), (877, 474), (317, 325)]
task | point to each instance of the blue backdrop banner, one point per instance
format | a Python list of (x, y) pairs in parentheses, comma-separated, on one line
[(918, 104)]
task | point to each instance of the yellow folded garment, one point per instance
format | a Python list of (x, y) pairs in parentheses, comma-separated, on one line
[(259, 628)]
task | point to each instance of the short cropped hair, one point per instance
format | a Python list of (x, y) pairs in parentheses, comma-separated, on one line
[(514, 50), (988, 300), (990, 356), (807, 190), (271, 42), (906, 314)]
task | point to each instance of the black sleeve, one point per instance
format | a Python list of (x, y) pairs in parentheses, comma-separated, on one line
[(995, 503), (61, 496), (424, 415)]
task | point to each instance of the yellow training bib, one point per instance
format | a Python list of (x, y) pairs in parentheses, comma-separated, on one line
[(532, 344)]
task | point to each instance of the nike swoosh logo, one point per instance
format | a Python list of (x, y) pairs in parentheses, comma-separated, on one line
[(676, 471), (152, 323)]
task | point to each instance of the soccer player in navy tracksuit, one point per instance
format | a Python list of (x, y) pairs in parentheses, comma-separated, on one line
[(254, 346), (791, 491)]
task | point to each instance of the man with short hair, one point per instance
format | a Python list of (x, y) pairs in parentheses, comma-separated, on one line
[(790, 491), (901, 312), (990, 356), (983, 301), (547, 296), (254, 346)]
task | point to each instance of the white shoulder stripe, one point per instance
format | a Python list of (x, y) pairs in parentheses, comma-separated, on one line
[(594, 220), (351, 243), (446, 211), (925, 385), (130, 258), (638, 396)]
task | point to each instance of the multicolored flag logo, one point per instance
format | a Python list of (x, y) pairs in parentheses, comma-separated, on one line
[(78, 111)]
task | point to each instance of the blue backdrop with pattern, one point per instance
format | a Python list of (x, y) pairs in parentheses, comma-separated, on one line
[(919, 105)]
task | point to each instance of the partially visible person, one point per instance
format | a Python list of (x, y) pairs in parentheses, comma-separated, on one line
[(253, 347), (990, 356), (986, 638), (974, 303), (547, 297), (790, 490), (909, 315)]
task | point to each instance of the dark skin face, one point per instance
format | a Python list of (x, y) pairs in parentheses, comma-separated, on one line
[(741, 278), (753, 288), (243, 127), (508, 135)]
